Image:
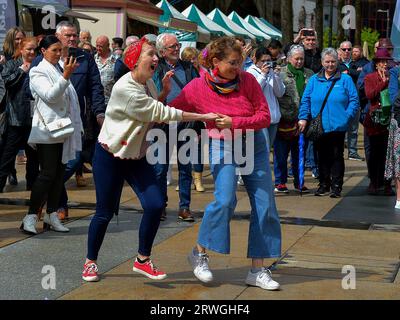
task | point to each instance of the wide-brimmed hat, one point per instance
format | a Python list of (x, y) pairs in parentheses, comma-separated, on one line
[(385, 43), (382, 54)]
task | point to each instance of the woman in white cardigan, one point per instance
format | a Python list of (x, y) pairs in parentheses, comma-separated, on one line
[(55, 100), (120, 156)]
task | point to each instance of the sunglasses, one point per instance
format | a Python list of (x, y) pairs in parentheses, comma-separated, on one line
[(346, 49)]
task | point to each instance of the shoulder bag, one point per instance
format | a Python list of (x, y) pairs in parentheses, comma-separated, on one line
[(315, 129)]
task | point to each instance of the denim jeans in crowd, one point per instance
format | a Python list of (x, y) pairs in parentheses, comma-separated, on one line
[(352, 135), (272, 130), (185, 175), (109, 174), (311, 157), (264, 240), (281, 152)]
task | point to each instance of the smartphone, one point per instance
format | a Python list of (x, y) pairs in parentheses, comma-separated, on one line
[(72, 52), (308, 33)]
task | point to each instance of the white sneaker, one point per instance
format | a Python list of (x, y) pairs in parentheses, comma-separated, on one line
[(262, 279), (199, 262), (29, 223), (397, 206), (53, 221)]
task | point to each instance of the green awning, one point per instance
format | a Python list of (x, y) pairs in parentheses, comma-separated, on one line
[(218, 17), (184, 28), (247, 26), (263, 27), (195, 15)]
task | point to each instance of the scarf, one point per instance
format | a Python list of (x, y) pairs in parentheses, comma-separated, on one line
[(299, 78), (220, 85)]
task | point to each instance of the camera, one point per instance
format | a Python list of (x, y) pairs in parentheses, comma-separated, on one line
[(271, 64)]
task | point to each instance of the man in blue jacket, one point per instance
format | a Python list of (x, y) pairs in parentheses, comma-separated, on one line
[(87, 83)]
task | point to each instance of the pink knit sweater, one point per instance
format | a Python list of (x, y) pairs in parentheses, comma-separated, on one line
[(247, 107)]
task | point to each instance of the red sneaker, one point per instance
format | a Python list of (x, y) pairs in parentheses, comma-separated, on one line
[(149, 270), (89, 273)]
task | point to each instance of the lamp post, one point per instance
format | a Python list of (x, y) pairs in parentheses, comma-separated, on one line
[(387, 20)]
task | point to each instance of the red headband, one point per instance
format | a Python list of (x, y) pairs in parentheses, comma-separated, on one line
[(132, 54)]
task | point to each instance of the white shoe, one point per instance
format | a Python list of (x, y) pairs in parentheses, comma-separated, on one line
[(29, 223), (262, 279), (240, 181), (397, 206), (199, 262), (53, 221)]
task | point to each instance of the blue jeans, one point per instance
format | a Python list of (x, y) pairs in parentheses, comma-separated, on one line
[(185, 176), (311, 157), (281, 152), (109, 174), (272, 130), (352, 135), (264, 240)]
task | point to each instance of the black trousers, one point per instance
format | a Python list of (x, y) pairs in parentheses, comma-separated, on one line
[(48, 185), (14, 139), (377, 159), (330, 149)]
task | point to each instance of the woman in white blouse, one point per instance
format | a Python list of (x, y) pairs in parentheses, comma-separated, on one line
[(55, 100)]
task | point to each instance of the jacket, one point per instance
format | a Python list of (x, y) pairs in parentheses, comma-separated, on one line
[(130, 114), (2, 95), (290, 101), (373, 86), (18, 104), (87, 83), (54, 100), (272, 87), (342, 104)]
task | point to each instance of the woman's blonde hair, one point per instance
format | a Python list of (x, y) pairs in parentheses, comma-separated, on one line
[(189, 53), (9, 41)]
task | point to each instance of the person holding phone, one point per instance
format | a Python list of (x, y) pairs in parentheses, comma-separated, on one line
[(55, 98), (87, 83), (271, 85), (312, 54)]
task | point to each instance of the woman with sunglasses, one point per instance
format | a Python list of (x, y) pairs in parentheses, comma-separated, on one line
[(240, 103)]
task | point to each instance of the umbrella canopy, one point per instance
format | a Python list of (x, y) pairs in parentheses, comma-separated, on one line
[(247, 26), (262, 27), (270, 25), (195, 15), (179, 22), (218, 17)]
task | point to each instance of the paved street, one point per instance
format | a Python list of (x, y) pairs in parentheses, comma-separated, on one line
[(320, 236)]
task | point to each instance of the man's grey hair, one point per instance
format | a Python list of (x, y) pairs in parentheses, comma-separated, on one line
[(295, 49), (346, 42), (131, 39), (64, 24), (329, 52), (160, 42)]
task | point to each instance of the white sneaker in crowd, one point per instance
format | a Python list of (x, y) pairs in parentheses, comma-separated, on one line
[(397, 206), (262, 279), (199, 262), (51, 220)]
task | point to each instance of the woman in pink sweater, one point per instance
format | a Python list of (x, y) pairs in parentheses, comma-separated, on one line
[(243, 118)]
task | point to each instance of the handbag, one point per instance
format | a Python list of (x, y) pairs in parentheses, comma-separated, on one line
[(315, 129), (382, 114), (58, 129)]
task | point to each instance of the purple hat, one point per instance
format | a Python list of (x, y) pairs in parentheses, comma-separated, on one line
[(382, 54)]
